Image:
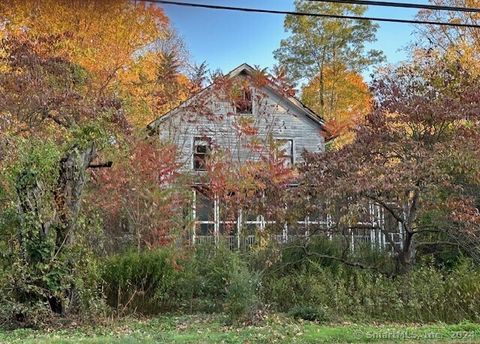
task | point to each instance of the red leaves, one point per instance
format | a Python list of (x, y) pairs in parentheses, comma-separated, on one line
[(417, 152), (140, 188)]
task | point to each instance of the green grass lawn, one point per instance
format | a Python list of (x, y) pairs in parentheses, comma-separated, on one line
[(275, 329)]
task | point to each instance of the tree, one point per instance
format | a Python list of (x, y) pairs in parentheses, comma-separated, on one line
[(100, 36), (461, 43), (326, 52), (126, 47), (54, 132), (411, 157), (142, 197), (349, 101), (62, 115), (317, 47), (153, 84)]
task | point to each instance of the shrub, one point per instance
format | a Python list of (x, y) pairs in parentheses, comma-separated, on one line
[(142, 281), (309, 313), (241, 299), (423, 295), (207, 279), (217, 279), (47, 266)]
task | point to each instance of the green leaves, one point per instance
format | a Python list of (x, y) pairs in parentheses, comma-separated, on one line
[(315, 42)]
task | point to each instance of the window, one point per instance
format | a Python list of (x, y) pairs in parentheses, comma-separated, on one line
[(244, 104), (285, 151), (204, 214), (201, 151)]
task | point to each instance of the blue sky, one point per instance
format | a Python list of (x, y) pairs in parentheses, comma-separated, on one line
[(226, 39)]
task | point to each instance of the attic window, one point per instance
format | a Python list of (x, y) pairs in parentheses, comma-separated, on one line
[(201, 151), (243, 104)]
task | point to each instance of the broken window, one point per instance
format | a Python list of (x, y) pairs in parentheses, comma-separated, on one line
[(201, 151), (244, 104)]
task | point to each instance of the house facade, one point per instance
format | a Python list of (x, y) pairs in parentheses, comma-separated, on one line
[(244, 115), (212, 119)]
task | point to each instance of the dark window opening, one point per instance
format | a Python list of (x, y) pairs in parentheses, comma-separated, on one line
[(244, 104), (201, 151)]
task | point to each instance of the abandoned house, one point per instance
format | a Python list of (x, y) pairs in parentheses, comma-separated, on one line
[(210, 121)]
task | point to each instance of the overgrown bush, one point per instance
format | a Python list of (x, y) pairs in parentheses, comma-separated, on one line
[(309, 313), (142, 281), (214, 279), (218, 279), (205, 279), (301, 255), (423, 295), (43, 273)]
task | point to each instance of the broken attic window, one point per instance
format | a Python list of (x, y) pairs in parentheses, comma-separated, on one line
[(201, 151), (244, 104)]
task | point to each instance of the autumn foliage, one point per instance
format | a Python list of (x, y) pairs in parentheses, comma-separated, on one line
[(342, 98), (66, 109), (416, 156), (141, 195)]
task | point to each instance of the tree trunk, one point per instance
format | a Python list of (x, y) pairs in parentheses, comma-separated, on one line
[(71, 182), (67, 199), (406, 256)]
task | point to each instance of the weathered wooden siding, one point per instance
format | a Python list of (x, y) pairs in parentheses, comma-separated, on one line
[(272, 115)]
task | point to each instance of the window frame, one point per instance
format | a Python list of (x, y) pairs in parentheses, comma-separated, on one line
[(195, 154), (249, 102)]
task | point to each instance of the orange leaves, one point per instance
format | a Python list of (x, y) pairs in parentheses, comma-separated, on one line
[(116, 45), (241, 185), (146, 166), (153, 85), (341, 97), (100, 36)]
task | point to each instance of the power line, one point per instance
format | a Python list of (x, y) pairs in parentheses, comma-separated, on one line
[(308, 14), (403, 5)]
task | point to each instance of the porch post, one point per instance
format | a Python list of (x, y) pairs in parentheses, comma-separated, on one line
[(239, 228), (352, 238), (307, 226), (216, 218), (329, 227), (194, 216), (383, 228)]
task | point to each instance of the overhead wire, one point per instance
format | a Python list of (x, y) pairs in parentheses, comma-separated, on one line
[(403, 5), (311, 14)]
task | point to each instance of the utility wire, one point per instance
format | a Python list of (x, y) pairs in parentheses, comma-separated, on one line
[(403, 5), (308, 14)]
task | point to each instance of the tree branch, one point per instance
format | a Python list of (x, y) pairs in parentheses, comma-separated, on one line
[(433, 243), (101, 165), (430, 230), (386, 207)]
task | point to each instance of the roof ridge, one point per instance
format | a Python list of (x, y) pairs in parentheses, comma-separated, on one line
[(235, 72)]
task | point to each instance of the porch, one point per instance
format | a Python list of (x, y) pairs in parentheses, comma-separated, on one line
[(242, 231)]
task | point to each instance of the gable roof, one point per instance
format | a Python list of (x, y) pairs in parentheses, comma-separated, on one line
[(249, 70)]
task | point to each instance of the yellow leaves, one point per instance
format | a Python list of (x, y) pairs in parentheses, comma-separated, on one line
[(147, 96), (111, 40), (4, 68), (101, 36), (341, 97)]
